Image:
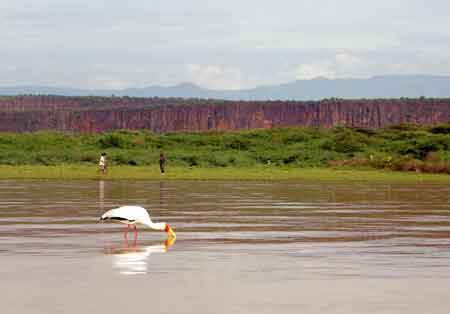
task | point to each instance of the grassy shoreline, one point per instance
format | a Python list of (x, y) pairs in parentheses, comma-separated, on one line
[(261, 173), (404, 153)]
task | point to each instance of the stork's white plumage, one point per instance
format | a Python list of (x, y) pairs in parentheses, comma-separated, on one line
[(131, 215)]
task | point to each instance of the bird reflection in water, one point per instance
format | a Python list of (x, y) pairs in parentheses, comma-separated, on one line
[(131, 259)]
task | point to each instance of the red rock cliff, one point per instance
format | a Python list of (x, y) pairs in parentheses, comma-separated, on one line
[(97, 114)]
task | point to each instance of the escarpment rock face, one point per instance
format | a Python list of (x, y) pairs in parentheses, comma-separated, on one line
[(98, 114)]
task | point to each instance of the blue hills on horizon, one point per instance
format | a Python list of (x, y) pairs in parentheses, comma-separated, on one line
[(389, 86)]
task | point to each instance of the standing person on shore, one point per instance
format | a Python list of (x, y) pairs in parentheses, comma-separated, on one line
[(162, 163), (102, 163)]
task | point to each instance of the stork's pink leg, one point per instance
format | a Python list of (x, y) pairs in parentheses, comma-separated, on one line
[(135, 234), (125, 236), (125, 233)]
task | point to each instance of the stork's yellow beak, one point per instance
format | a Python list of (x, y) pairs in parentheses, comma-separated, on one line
[(169, 242), (171, 233)]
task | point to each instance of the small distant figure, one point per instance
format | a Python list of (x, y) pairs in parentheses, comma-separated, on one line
[(162, 163), (102, 163)]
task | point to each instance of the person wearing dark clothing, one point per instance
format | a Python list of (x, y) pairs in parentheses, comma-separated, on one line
[(162, 163)]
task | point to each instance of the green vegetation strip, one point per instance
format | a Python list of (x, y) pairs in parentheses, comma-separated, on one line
[(266, 173), (285, 153)]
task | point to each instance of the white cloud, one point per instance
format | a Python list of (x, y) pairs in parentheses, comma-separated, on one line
[(313, 70), (214, 76), (348, 61), (341, 65)]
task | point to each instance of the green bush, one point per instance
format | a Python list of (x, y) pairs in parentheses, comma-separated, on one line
[(420, 147), (441, 129), (345, 140), (191, 160)]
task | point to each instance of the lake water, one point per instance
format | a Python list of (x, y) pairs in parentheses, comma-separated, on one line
[(242, 247)]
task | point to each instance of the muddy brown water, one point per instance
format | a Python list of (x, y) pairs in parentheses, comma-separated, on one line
[(242, 247)]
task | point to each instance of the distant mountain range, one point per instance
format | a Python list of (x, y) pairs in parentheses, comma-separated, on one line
[(393, 86)]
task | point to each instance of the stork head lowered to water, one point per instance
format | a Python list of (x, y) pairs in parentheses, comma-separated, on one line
[(131, 215)]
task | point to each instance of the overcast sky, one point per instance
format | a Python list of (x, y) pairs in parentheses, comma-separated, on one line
[(218, 44)]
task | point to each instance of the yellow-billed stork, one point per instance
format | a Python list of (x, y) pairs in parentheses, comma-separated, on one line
[(131, 215)]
